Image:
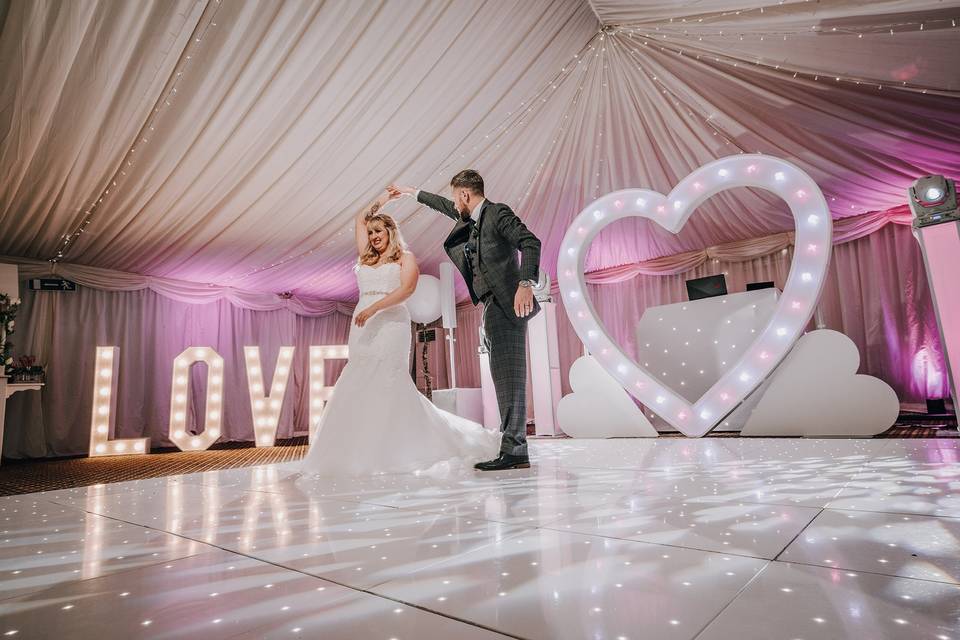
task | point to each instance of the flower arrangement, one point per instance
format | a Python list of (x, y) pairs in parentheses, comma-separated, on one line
[(8, 313)]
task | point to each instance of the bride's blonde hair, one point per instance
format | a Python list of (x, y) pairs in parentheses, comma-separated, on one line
[(395, 244)]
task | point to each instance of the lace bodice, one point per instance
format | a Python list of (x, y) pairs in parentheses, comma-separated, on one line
[(378, 281)]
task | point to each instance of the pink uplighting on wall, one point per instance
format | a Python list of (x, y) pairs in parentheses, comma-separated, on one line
[(927, 374)]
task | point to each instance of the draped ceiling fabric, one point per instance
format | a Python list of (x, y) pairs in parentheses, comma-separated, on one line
[(231, 142)]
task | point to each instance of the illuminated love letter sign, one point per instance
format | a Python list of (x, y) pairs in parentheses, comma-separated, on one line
[(178, 399), (319, 394), (104, 408), (266, 408), (813, 226)]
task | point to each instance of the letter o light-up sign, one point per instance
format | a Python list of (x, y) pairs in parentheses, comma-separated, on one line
[(814, 228), (178, 399)]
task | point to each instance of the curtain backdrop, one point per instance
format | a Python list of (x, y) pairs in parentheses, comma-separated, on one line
[(221, 150), (844, 230), (876, 293), (63, 330), (178, 290)]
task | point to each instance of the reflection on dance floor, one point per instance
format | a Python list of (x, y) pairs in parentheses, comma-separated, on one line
[(671, 538)]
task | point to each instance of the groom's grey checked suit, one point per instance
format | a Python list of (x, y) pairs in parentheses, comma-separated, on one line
[(490, 246)]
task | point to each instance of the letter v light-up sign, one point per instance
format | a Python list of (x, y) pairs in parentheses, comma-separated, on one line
[(266, 407)]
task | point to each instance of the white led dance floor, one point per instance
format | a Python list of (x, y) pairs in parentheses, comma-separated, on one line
[(671, 538)]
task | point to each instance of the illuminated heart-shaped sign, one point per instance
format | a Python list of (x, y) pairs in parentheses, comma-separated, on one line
[(814, 228)]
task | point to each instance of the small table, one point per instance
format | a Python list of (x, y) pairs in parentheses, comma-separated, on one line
[(7, 389), (13, 387)]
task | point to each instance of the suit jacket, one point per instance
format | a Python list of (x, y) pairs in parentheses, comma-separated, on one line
[(502, 234)]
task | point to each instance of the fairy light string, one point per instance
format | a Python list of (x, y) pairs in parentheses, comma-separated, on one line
[(167, 97), (489, 143), (677, 35)]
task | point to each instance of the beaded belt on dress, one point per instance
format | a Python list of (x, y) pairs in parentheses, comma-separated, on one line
[(375, 293)]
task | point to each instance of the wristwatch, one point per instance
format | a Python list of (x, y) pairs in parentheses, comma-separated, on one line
[(528, 283)]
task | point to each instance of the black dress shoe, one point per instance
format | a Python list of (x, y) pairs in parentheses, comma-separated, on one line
[(504, 462)]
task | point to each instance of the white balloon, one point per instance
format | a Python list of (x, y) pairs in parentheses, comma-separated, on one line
[(424, 304)]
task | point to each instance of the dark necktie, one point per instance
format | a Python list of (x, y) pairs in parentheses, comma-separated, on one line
[(470, 248)]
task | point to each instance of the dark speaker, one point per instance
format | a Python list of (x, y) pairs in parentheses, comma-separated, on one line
[(936, 407), (707, 287)]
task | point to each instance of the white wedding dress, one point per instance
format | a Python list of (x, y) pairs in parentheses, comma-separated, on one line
[(376, 421)]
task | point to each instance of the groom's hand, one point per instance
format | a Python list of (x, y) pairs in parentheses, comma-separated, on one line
[(523, 302)]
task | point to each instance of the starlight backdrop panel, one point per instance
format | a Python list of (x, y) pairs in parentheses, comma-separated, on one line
[(690, 345)]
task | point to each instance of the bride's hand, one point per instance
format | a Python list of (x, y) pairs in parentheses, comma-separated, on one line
[(396, 191), (365, 315)]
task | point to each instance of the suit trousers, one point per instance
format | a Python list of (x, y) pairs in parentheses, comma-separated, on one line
[(506, 342)]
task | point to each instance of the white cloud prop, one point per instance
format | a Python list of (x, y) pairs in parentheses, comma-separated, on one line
[(599, 407), (816, 391)]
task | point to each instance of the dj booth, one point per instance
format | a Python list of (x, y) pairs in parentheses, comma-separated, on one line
[(689, 345)]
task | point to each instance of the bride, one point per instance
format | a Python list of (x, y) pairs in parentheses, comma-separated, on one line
[(376, 421)]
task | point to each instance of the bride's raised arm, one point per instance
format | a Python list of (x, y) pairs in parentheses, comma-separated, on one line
[(365, 214)]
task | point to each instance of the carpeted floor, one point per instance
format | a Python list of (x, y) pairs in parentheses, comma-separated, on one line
[(28, 476)]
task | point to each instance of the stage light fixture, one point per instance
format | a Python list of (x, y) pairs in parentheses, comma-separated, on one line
[(933, 200)]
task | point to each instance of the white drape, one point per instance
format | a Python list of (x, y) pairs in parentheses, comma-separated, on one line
[(876, 293), (179, 290), (288, 117)]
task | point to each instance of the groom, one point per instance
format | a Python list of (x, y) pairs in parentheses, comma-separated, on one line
[(484, 244)]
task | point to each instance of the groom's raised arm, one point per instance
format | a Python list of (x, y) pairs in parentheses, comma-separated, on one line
[(438, 203), (432, 200)]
